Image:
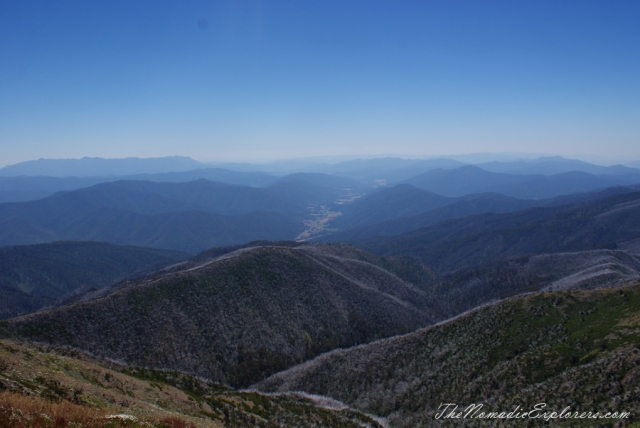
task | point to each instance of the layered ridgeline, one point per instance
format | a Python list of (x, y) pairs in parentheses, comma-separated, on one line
[(563, 348), (197, 215), (266, 307), (471, 179), (392, 171), (88, 166), (457, 292), (239, 317), (404, 208), (53, 387), (188, 217), (36, 276), (24, 188), (608, 222)]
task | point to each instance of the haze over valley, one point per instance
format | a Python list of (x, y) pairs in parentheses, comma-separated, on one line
[(274, 214), (256, 280)]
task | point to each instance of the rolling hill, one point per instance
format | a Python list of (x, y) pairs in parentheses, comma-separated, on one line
[(577, 349), (388, 203), (188, 217), (465, 289), (30, 188), (362, 219), (484, 238), (240, 317)]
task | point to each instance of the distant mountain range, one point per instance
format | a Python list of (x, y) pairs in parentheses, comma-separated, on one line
[(399, 209), (24, 188), (358, 220), (554, 165), (518, 270), (525, 179), (188, 217), (472, 179), (482, 238), (388, 203), (93, 167), (386, 171), (194, 216)]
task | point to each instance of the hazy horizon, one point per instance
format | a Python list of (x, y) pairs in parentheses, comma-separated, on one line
[(253, 81), (470, 158)]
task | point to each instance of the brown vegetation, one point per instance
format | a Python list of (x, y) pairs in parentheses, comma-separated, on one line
[(21, 411)]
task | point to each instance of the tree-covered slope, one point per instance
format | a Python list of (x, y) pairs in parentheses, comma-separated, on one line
[(564, 348), (485, 238), (189, 231), (465, 289), (399, 218), (34, 276), (188, 217), (388, 203), (240, 317)]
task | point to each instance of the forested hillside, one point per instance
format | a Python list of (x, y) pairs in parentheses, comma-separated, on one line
[(485, 238), (35, 276), (568, 348), (242, 316)]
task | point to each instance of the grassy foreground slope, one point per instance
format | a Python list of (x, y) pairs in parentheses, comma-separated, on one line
[(41, 386), (566, 348), (240, 317)]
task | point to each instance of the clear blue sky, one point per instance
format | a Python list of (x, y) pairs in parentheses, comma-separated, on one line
[(258, 80)]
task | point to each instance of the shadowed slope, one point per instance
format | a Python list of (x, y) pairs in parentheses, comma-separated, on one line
[(35, 276), (576, 349), (241, 317), (484, 238)]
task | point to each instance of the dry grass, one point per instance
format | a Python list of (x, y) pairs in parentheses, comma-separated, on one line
[(20, 411), (29, 372)]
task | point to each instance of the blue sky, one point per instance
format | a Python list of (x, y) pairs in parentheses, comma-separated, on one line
[(261, 80)]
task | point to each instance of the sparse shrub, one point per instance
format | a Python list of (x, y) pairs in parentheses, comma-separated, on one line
[(174, 422)]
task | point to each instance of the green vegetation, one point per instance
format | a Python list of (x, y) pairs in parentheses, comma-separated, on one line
[(240, 318), (572, 348), (39, 387)]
